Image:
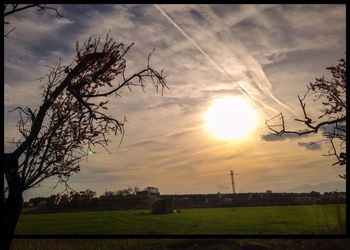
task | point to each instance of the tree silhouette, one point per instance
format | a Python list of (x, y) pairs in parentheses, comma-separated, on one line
[(331, 119), (56, 136), (10, 9)]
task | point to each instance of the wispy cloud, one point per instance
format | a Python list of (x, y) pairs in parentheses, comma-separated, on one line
[(223, 71), (311, 145), (275, 137)]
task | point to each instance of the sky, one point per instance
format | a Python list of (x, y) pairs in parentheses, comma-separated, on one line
[(266, 54)]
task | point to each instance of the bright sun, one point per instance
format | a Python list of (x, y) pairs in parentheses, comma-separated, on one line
[(231, 118)]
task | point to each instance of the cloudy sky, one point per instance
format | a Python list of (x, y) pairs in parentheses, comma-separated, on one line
[(266, 54)]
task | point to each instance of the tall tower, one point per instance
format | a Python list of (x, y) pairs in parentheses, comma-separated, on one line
[(233, 183)]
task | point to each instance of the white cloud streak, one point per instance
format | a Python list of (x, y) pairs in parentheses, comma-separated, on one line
[(244, 91), (192, 41)]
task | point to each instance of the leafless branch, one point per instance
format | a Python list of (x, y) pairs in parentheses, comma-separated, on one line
[(72, 115), (10, 9), (332, 118)]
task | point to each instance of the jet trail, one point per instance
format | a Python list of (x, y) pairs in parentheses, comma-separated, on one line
[(223, 71), (190, 39)]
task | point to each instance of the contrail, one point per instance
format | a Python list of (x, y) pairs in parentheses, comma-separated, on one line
[(245, 92), (190, 39), (263, 84), (223, 71), (280, 102)]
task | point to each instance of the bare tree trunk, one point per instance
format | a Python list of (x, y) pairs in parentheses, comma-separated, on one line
[(14, 201)]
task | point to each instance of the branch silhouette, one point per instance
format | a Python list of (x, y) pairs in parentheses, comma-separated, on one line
[(331, 120)]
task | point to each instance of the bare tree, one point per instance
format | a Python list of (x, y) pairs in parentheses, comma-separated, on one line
[(10, 9), (331, 119), (56, 136)]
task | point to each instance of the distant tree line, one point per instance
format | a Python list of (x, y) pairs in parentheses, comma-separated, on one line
[(131, 197), (135, 198), (255, 199)]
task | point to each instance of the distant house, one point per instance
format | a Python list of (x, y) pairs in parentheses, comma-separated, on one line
[(148, 191), (152, 190), (151, 193)]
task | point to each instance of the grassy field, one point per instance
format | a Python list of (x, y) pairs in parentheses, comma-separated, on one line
[(181, 244), (308, 219)]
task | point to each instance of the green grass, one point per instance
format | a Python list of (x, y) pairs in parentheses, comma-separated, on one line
[(180, 244), (308, 219)]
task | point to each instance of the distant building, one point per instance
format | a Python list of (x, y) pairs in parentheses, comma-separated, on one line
[(148, 191), (151, 193), (152, 190)]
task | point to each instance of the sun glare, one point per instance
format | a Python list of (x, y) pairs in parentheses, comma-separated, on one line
[(231, 118)]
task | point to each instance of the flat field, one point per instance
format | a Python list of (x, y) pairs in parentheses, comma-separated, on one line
[(309, 219)]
